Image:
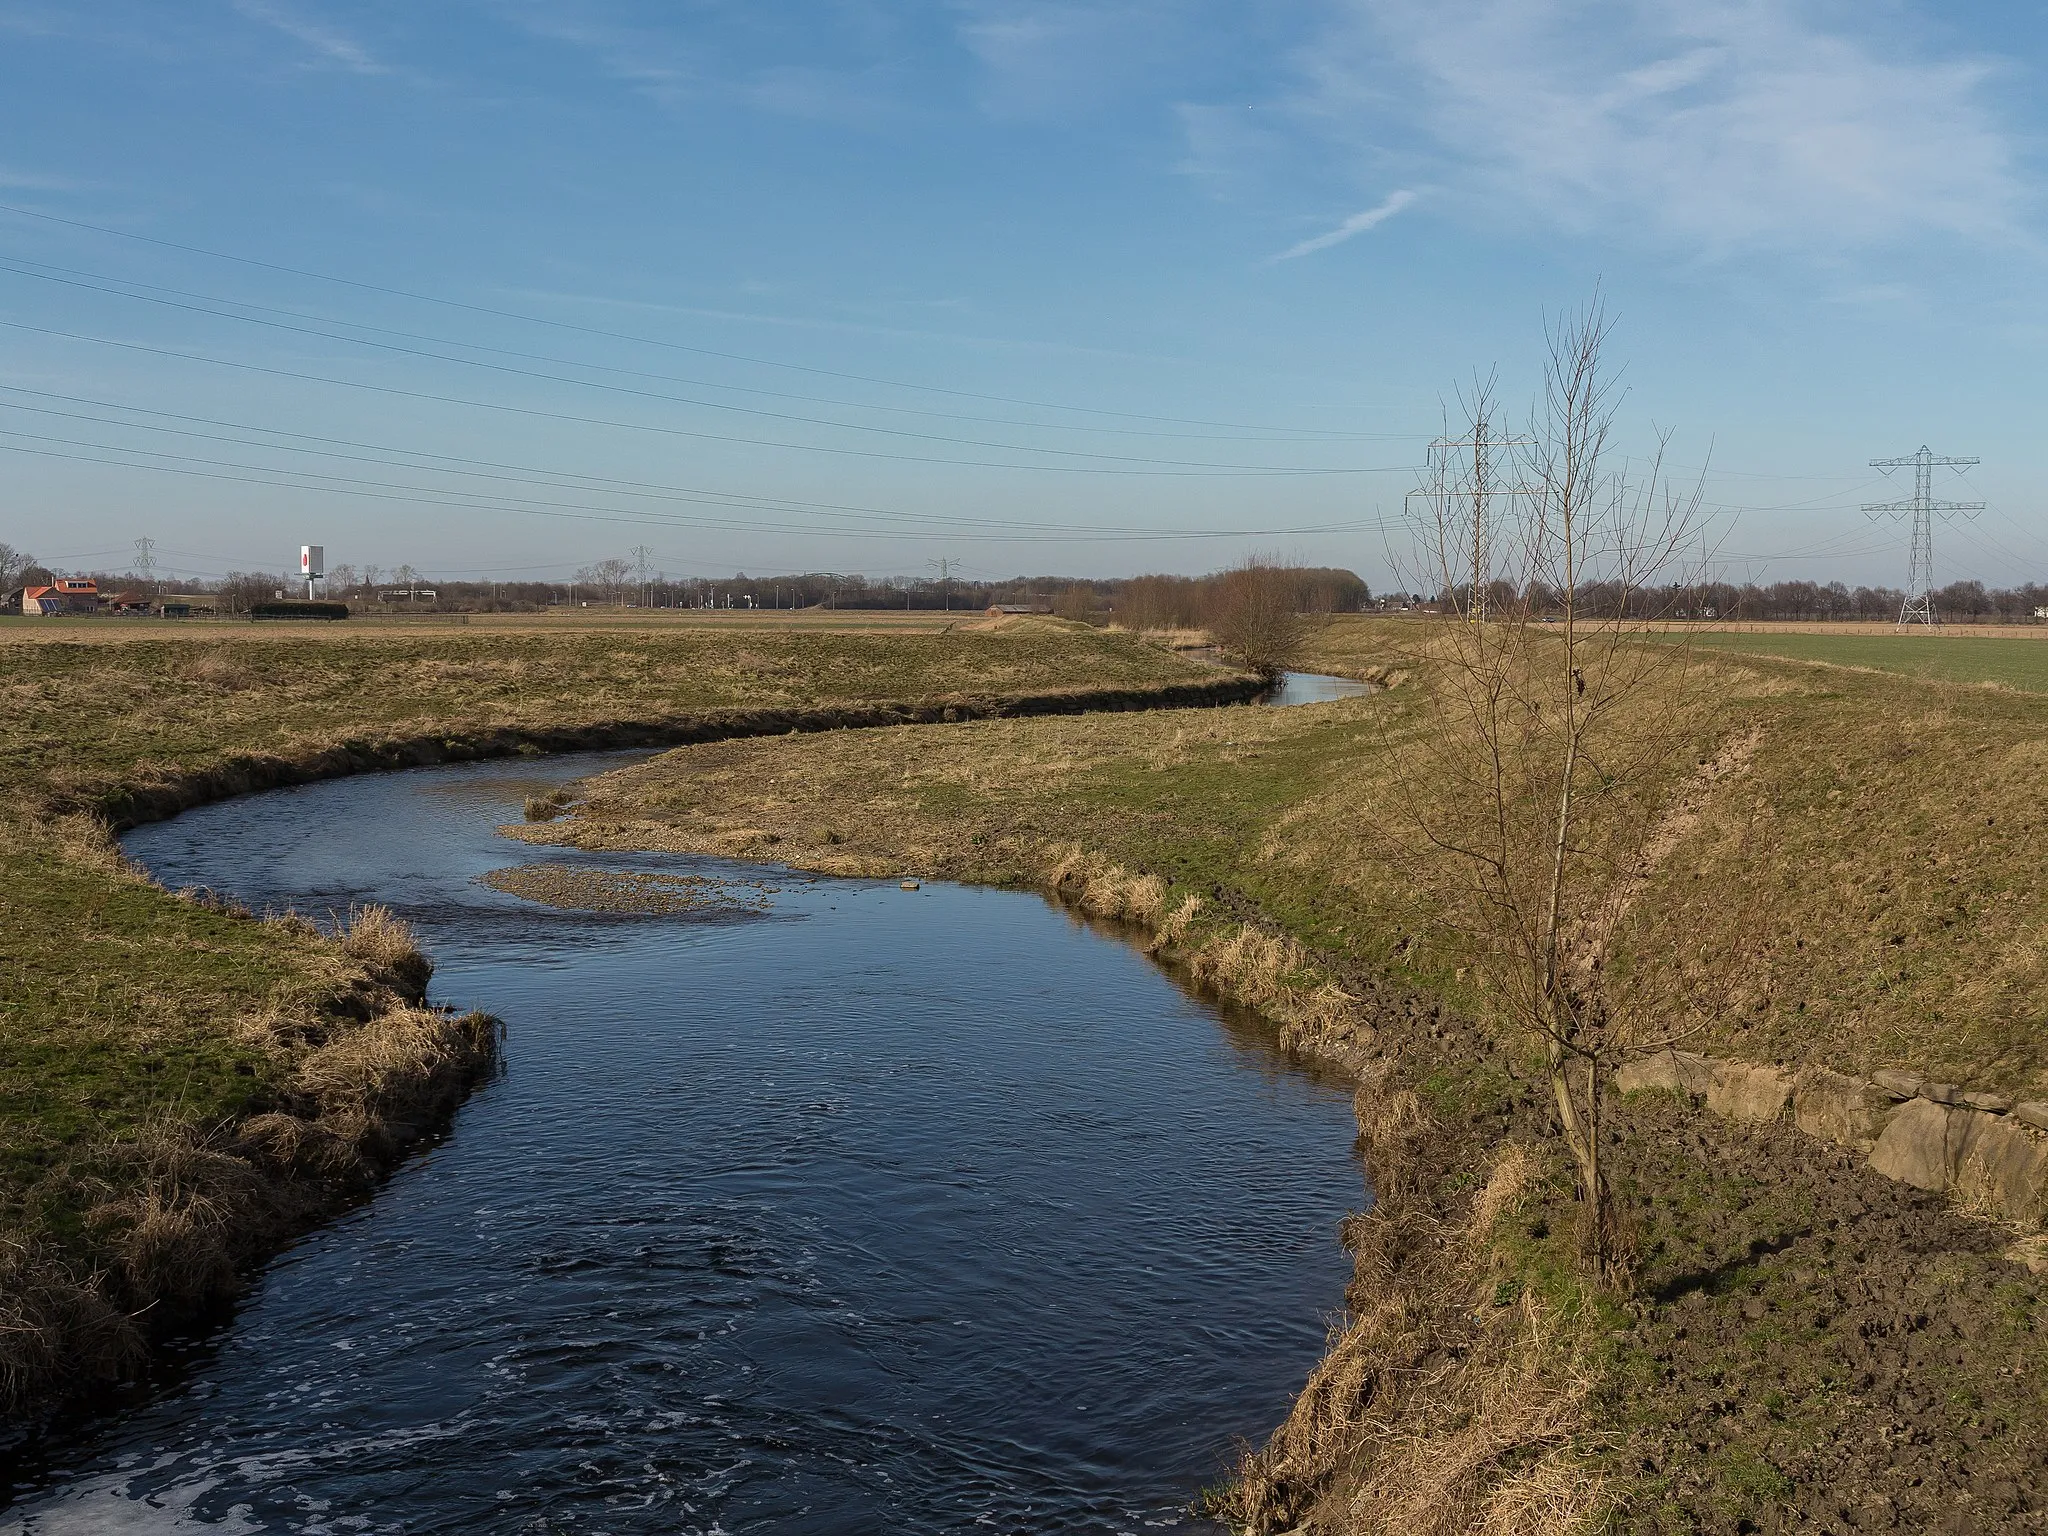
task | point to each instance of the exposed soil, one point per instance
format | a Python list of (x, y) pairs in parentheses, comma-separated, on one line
[(1810, 1345), (1821, 1347)]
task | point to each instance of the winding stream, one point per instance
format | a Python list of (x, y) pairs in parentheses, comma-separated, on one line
[(820, 1207)]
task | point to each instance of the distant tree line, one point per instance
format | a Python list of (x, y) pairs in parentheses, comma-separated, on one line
[(1145, 602), (1960, 602), (1154, 602)]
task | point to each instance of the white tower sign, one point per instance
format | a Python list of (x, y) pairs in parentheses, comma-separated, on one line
[(312, 565)]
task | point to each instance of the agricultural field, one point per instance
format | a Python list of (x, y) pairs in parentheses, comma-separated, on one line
[(2007, 659)]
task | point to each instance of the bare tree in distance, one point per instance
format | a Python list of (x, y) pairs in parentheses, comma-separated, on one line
[(1256, 616), (1556, 748), (14, 564), (610, 577)]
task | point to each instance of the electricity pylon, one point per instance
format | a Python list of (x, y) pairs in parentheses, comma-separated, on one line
[(1919, 603), (1458, 492)]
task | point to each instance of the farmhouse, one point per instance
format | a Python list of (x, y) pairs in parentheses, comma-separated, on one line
[(67, 594), (1003, 610), (42, 601)]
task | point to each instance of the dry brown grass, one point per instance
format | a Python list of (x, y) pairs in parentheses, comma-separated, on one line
[(1515, 1170), (1433, 1413), (406, 1066), (1496, 1453), (57, 1321), (179, 1217), (381, 941)]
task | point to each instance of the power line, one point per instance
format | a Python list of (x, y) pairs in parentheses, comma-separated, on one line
[(74, 278), (591, 330), (430, 498), (647, 394), (637, 490), (402, 458), (1190, 471)]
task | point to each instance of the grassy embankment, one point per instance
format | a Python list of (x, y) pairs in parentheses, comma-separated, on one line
[(184, 1084), (1805, 1336)]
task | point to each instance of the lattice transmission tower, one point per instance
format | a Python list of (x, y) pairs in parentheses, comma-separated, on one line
[(1921, 506), (1459, 490)]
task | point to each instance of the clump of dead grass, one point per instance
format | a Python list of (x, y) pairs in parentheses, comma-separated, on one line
[(384, 943), (181, 1218), (1490, 1448), (1104, 889), (220, 670), (1515, 1170), (1276, 975), (88, 841), (548, 806), (1173, 930), (56, 1321), (407, 1066)]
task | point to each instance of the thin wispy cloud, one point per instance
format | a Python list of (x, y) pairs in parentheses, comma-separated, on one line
[(31, 181), (1357, 224), (1718, 125), (330, 44), (1050, 58), (775, 66)]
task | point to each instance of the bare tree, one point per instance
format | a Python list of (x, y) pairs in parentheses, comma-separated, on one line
[(372, 574), (242, 590), (610, 577), (409, 579), (1255, 613), (1555, 749), (14, 563)]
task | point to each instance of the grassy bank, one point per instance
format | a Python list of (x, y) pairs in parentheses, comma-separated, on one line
[(1808, 1341), (185, 1083)]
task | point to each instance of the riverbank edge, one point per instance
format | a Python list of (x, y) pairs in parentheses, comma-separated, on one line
[(1469, 1356), (1411, 1350), (202, 1210), (179, 1215), (134, 802)]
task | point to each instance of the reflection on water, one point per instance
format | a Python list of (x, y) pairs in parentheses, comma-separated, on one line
[(1313, 688), (867, 1210)]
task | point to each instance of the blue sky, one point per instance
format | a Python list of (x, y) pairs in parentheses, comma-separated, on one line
[(1092, 288)]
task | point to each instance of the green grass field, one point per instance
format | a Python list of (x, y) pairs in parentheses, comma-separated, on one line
[(1947, 657)]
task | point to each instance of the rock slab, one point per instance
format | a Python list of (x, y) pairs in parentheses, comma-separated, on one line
[(1848, 1111), (1743, 1092), (1675, 1071), (1914, 1145), (1986, 1160), (1998, 1166)]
